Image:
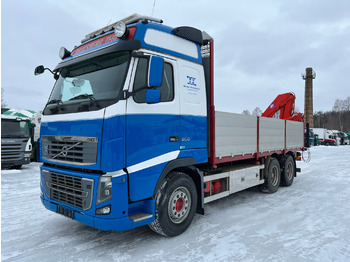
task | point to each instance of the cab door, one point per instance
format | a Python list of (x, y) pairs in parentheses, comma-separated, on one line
[(152, 129)]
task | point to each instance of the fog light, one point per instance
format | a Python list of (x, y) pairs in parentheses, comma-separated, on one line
[(103, 210)]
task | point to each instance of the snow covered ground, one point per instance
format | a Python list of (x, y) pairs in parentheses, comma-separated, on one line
[(309, 221)]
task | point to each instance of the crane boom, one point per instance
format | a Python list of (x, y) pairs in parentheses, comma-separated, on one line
[(285, 104)]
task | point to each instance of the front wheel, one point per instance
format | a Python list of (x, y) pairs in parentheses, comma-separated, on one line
[(176, 202)]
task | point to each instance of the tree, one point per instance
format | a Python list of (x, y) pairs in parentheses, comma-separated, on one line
[(257, 112), (340, 106), (246, 112), (3, 104)]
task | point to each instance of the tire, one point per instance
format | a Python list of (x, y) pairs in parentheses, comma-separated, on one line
[(272, 178), (288, 173), (176, 202)]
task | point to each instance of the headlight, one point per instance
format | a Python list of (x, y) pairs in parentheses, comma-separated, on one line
[(104, 191)]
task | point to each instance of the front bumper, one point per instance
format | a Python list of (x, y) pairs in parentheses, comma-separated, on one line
[(17, 162), (117, 224), (118, 218)]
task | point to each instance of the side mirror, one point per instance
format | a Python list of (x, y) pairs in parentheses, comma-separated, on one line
[(39, 70), (155, 73), (152, 96)]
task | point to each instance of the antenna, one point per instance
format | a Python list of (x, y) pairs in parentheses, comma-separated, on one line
[(154, 4)]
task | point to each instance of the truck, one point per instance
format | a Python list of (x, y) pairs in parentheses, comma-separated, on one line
[(325, 136), (341, 138), (34, 125), (130, 135), (15, 141)]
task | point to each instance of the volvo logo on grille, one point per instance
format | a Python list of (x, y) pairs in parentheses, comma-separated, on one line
[(64, 151)]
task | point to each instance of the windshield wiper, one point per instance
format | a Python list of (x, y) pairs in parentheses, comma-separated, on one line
[(54, 101), (58, 106), (83, 96)]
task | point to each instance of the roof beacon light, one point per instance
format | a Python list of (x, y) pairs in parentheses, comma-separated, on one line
[(64, 53), (120, 30)]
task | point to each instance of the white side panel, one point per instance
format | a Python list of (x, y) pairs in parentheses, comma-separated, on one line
[(171, 42), (235, 134), (74, 116), (295, 134), (320, 132), (192, 89), (245, 178), (271, 132)]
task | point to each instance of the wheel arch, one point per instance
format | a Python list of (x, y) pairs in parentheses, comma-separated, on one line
[(185, 165)]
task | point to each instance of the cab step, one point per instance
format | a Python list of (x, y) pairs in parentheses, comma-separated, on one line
[(140, 216)]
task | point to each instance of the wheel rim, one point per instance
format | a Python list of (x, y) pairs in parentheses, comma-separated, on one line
[(179, 205), (274, 176), (289, 171)]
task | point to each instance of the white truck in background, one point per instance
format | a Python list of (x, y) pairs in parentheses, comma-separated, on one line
[(326, 137)]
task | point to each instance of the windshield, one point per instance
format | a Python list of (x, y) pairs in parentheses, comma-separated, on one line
[(14, 128), (98, 81)]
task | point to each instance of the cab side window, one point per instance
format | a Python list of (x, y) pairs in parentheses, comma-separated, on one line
[(140, 83)]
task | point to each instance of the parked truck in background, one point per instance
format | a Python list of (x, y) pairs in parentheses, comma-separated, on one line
[(130, 135), (34, 125), (325, 137), (342, 138), (15, 141)]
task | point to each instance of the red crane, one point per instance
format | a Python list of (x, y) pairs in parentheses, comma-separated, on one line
[(285, 104)]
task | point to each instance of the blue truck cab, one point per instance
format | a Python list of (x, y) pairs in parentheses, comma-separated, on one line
[(128, 112)]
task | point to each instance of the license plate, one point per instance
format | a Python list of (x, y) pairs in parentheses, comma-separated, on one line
[(65, 211)]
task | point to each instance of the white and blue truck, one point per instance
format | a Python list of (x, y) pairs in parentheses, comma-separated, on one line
[(130, 135)]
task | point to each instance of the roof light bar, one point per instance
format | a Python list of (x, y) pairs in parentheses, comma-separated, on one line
[(128, 20)]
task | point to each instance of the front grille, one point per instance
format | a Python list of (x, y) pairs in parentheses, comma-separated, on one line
[(11, 152), (71, 190), (67, 149)]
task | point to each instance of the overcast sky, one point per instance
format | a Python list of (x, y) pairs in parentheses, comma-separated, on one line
[(261, 47)]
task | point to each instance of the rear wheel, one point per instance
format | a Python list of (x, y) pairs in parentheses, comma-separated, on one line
[(288, 173), (272, 178), (176, 202)]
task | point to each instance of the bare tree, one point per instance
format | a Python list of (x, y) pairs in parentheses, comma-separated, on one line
[(257, 112), (347, 104), (246, 112), (3, 104), (340, 107)]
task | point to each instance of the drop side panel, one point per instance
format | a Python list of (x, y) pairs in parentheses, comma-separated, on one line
[(235, 134)]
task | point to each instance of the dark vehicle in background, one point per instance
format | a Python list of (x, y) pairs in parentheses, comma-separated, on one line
[(15, 141)]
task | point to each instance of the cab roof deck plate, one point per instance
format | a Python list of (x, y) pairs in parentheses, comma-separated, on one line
[(189, 33)]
